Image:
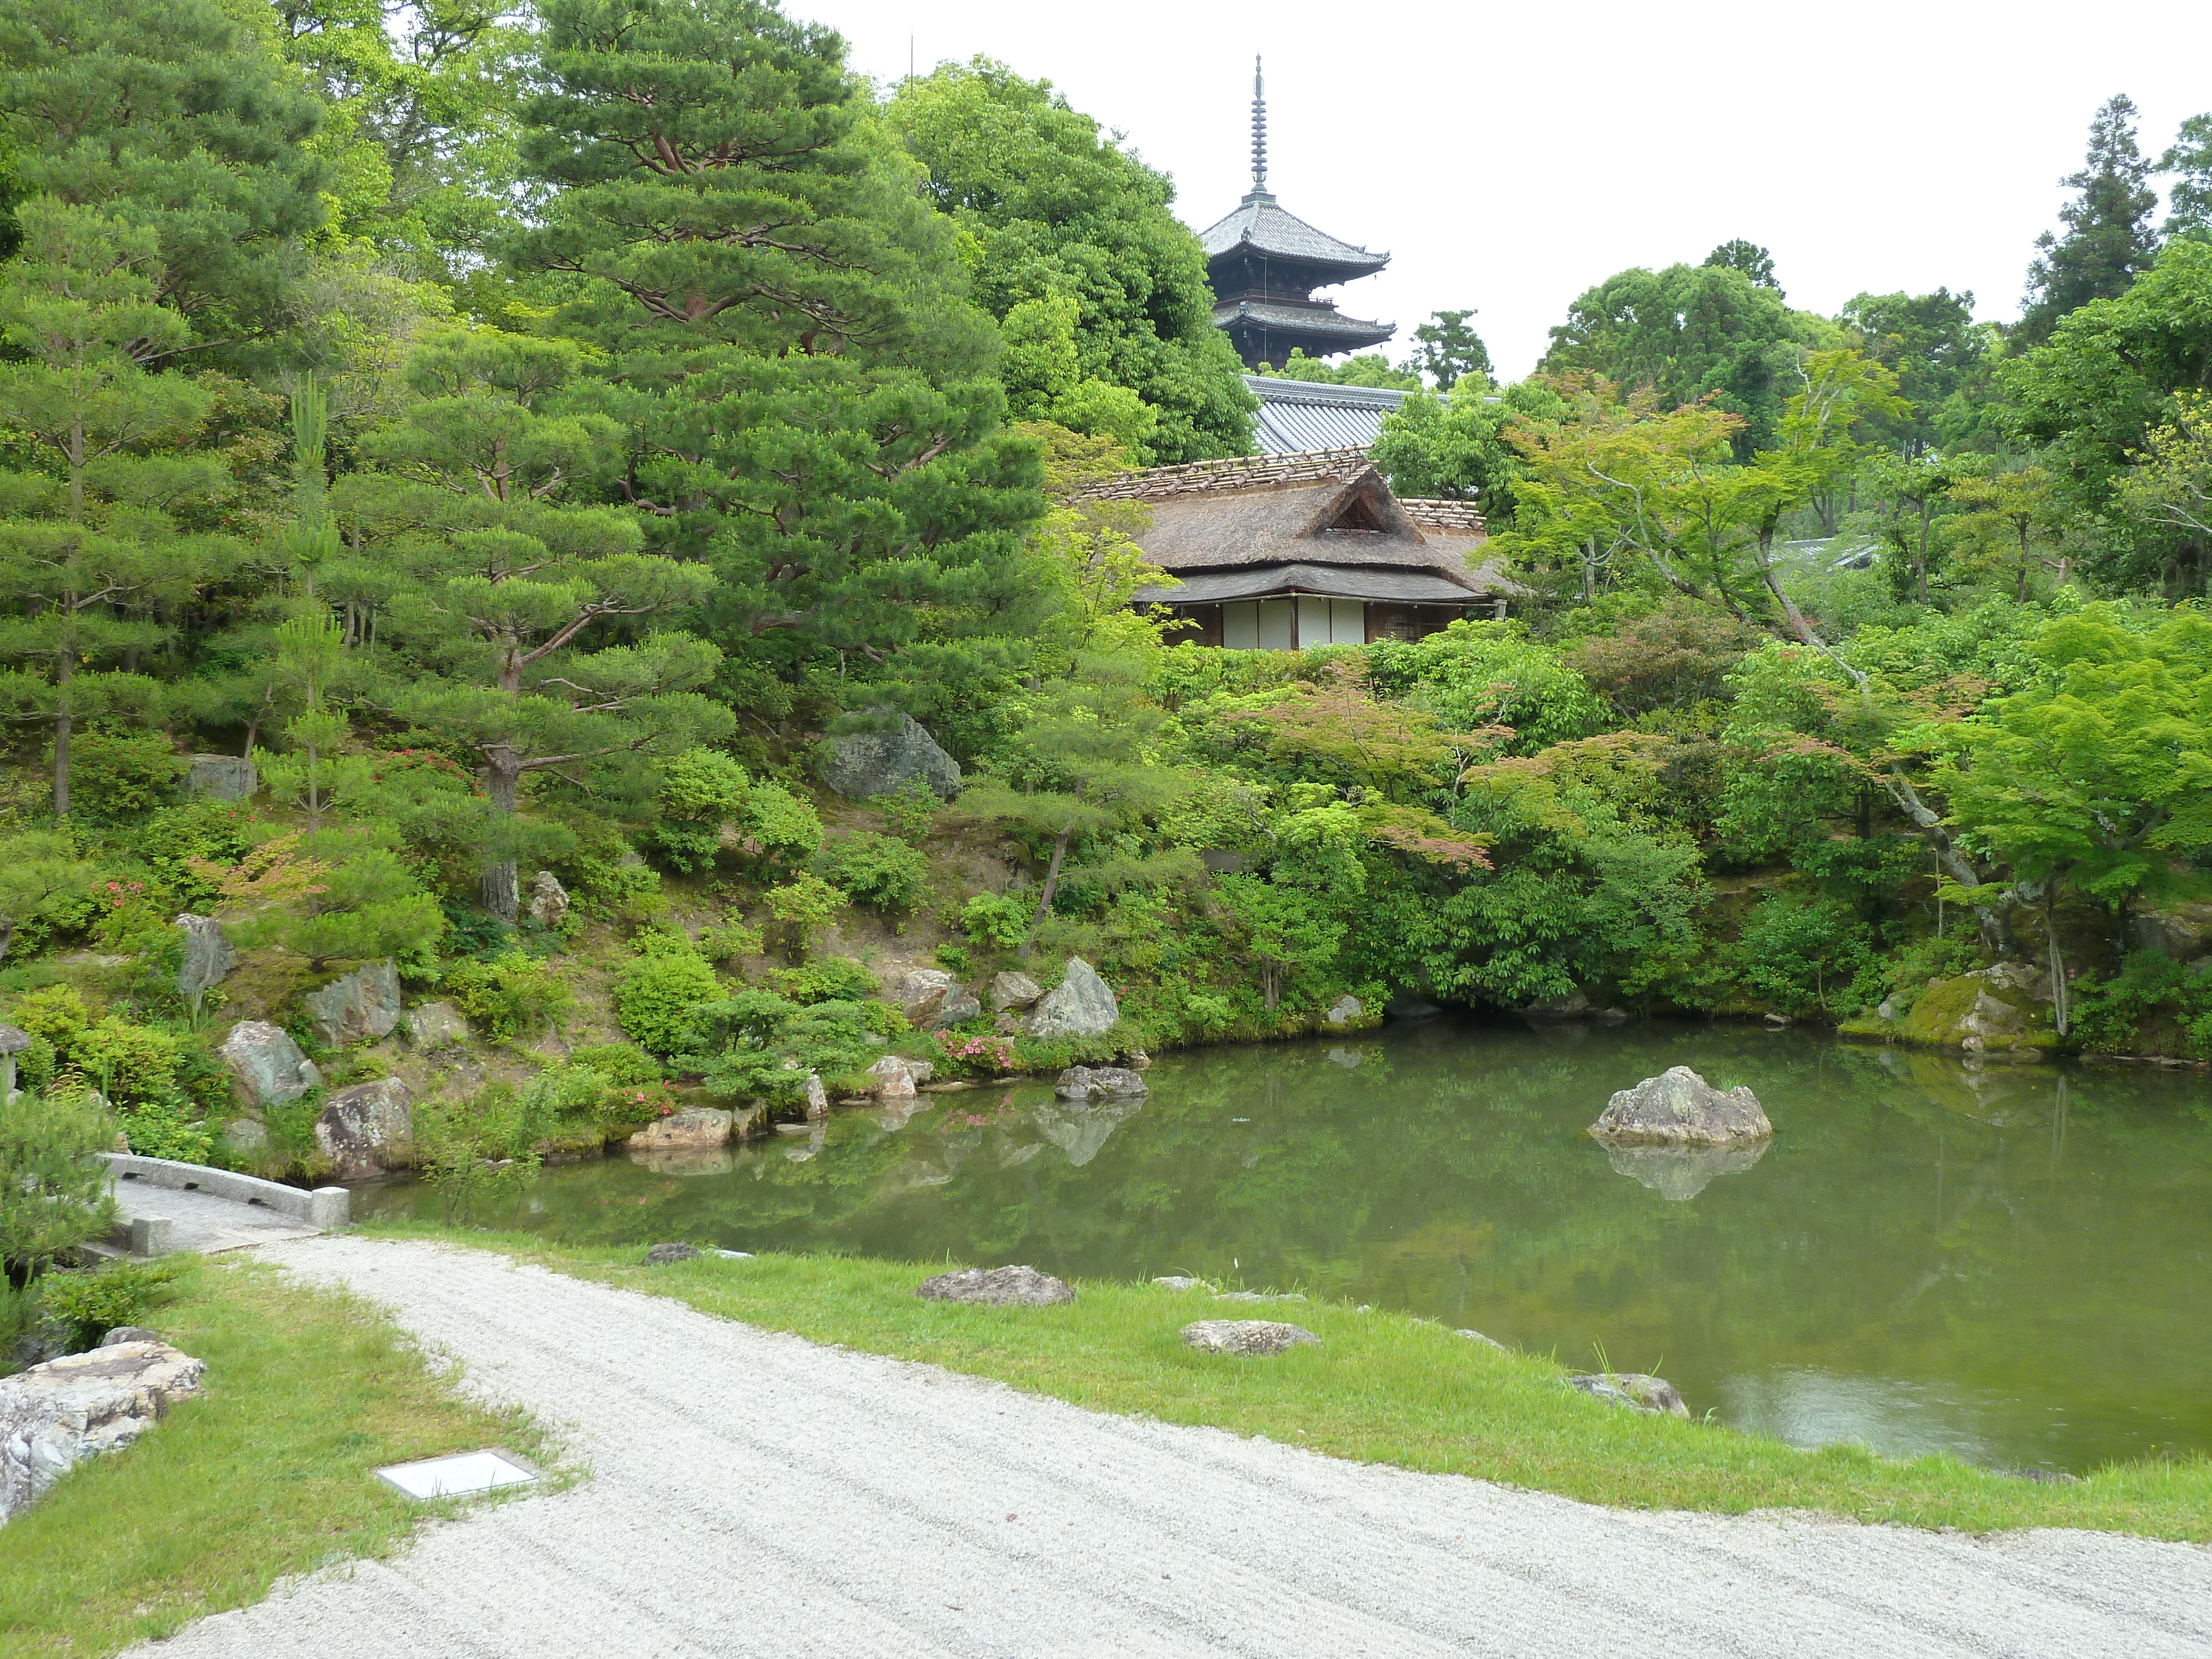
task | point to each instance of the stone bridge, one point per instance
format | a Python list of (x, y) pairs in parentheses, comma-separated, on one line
[(167, 1207)]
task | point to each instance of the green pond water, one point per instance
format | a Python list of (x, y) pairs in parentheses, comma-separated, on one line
[(2010, 1263)]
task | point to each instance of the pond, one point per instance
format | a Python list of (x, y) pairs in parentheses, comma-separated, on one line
[(2010, 1263)]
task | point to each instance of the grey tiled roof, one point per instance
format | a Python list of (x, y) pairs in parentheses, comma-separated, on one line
[(1296, 415), (1326, 320), (1267, 229)]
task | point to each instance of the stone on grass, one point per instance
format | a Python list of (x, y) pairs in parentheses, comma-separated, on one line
[(1182, 1282), (54, 1415), (1023, 1287), (661, 1254), (436, 1025), (207, 955), (1012, 990), (1345, 1011), (265, 1064), (1081, 1005), (1636, 1389), (369, 1129), (693, 1128), (122, 1334), (1477, 1336), (222, 777), (1678, 1108), (1099, 1082), (893, 1078), (549, 899), (881, 761), (1261, 1296), (358, 1007), (1244, 1338)]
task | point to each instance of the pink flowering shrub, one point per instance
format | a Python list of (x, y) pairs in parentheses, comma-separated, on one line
[(976, 1053)]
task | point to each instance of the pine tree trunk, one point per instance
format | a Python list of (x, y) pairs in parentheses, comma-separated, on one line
[(1051, 885), (499, 888), (63, 667)]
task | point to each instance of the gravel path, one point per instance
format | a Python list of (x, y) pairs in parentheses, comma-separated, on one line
[(754, 1494)]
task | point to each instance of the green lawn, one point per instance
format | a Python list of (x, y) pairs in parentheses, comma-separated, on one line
[(1381, 1387), (267, 1472)]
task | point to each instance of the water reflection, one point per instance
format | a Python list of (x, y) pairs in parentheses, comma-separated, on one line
[(2013, 1262)]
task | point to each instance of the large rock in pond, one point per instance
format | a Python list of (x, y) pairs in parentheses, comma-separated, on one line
[(2003, 1008), (265, 1064), (54, 1416), (1019, 1286), (1099, 1082), (207, 955), (1678, 1108), (358, 1007), (1081, 1005), (881, 759), (1244, 1338), (693, 1128), (891, 1079), (369, 1129), (1637, 1390), (1681, 1173), (1345, 1011)]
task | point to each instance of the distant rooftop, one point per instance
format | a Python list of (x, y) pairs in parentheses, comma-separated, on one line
[(1260, 224), (1305, 414)]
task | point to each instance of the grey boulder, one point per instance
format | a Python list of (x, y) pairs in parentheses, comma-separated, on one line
[(688, 1130), (1081, 1005), (660, 1256), (1024, 1287), (1345, 1011), (356, 1007), (1636, 1389), (957, 1006), (367, 1129), (1244, 1338), (921, 991), (549, 899), (882, 758), (222, 777), (265, 1064), (245, 1136), (436, 1025), (892, 1078), (1099, 1082), (1012, 990), (1678, 1108), (207, 955), (54, 1416)]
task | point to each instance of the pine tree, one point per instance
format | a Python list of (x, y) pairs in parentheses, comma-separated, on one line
[(177, 117), (2109, 240), (92, 562), (803, 380), (496, 591)]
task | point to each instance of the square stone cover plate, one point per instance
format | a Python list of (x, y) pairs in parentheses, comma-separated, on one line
[(457, 1476)]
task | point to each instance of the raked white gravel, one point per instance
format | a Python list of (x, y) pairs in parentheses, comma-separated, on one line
[(749, 1493)]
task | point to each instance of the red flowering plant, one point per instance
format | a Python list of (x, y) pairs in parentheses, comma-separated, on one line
[(970, 1054)]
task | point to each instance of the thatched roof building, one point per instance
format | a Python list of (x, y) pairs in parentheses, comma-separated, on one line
[(1280, 552)]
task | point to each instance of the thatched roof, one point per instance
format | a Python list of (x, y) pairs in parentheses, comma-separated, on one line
[(1329, 509)]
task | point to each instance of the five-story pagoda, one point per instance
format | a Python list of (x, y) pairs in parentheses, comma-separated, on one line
[(1264, 264)]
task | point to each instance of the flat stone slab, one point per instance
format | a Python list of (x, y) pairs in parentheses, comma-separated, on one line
[(458, 1476), (1245, 1338), (206, 1224), (1024, 1287)]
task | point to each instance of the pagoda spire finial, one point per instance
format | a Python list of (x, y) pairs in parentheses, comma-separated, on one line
[(1259, 130)]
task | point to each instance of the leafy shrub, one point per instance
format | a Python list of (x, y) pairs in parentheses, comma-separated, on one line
[(835, 979), (911, 813), (196, 831), (2109, 1014), (606, 878), (92, 1303), (701, 791), (131, 1065), (35, 1067), (783, 826), (728, 941), (622, 1063), (954, 959), (996, 922), (53, 1188), (658, 997), (1801, 952), (116, 776), (163, 1128), (885, 875), (481, 1151), (56, 1012), (471, 931), (801, 907), (764, 1045), (511, 993), (133, 925)]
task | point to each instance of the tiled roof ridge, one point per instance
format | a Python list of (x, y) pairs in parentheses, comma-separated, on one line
[(1437, 514), (1192, 477)]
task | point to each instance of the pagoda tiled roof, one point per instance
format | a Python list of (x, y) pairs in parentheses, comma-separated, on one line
[(1260, 224), (1321, 320)]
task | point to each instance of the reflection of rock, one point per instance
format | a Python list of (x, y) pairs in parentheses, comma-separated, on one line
[(1679, 1108), (681, 1161), (1080, 1131), (1348, 1058), (1680, 1172)]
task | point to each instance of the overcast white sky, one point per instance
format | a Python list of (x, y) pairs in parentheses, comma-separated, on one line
[(1510, 157)]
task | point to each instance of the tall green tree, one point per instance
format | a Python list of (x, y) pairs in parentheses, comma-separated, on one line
[(1455, 445), (1690, 333), (92, 564), (1940, 358), (512, 612), (2188, 162), (1747, 257), (1448, 351), (180, 117), (2109, 240), (1060, 212)]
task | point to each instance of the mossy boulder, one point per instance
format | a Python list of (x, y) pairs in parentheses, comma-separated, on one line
[(2001, 1009)]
